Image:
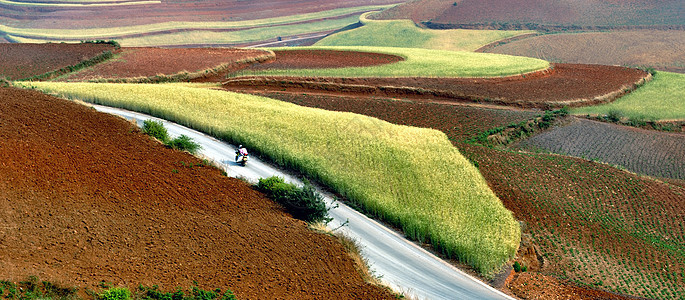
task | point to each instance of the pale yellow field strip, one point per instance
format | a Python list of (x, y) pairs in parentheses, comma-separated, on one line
[(103, 33)]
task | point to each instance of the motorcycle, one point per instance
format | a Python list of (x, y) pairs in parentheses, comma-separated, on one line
[(241, 157)]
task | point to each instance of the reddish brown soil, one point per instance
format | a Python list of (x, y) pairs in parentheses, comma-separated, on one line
[(145, 62), (88, 198), (19, 61), (167, 11), (540, 14), (659, 49), (590, 222), (471, 120), (531, 285), (565, 85), (653, 153), (319, 59)]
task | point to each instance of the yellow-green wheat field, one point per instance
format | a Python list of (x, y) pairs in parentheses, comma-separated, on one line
[(410, 177)]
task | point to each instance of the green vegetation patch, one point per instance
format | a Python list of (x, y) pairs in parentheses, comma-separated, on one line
[(410, 177), (420, 63), (663, 98), (405, 34)]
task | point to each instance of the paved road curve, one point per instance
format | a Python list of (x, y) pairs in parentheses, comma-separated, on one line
[(403, 266)]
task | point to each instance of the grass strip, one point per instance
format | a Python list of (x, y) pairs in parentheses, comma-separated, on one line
[(405, 34), (412, 178), (418, 63), (662, 99)]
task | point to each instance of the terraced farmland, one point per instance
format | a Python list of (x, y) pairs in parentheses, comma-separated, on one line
[(406, 34), (593, 223), (136, 64), (217, 28), (646, 152), (659, 49), (27, 60)]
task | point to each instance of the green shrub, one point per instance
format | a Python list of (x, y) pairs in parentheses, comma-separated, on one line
[(156, 129), (614, 115), (153, 293), (117, 293), (303, 203), (184, 143), (517, 267)]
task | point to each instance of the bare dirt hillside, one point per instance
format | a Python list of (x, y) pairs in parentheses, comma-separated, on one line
[(88, 198)]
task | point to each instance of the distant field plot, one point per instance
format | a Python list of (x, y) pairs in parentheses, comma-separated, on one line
[(404, 33), (641, 151), (540, 13), (21, 61), (420, 63), (660, 49), (661, 99), (146, 62), (197, 33), (94, 16), (73, 4)]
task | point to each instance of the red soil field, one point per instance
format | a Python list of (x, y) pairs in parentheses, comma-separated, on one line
[(19, 61), (319, 59), (167, 11), (589, 222), (146, 62), (566, 85), (662, 50), (86, 197), (471, 120), (642, 151), (540, 14)]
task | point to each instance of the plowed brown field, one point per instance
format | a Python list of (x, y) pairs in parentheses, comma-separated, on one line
[(19, 61), (166, 11), (565, 85), (318, 59), (146, 62), (590, 222), (649, 152), (660, 49), (540, 14), (88, 198)]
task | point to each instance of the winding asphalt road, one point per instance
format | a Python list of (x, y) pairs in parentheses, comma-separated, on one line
[(401, 264)]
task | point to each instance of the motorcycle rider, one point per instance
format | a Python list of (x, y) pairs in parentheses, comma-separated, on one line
[(240, 152)]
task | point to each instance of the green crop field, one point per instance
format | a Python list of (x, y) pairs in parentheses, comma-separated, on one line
[(661, 99), (197, 32), (405, 34), (434, 195), (420, 63)]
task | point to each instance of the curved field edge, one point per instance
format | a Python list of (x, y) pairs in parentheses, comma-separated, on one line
[(109, 32), (435, 196), (661, 99), (193, 37), (419, 63), (405, 33)]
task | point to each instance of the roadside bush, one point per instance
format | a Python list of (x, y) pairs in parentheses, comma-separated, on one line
[(303, 203), (614, 115), (153, 293), (156, 129), (184, 143), (117, 293)]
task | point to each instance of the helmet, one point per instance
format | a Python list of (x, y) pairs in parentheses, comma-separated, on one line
[(240, 146)]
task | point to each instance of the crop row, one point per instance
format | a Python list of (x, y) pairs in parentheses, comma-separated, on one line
[(593, 223), (434, 195), (646, 152)]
